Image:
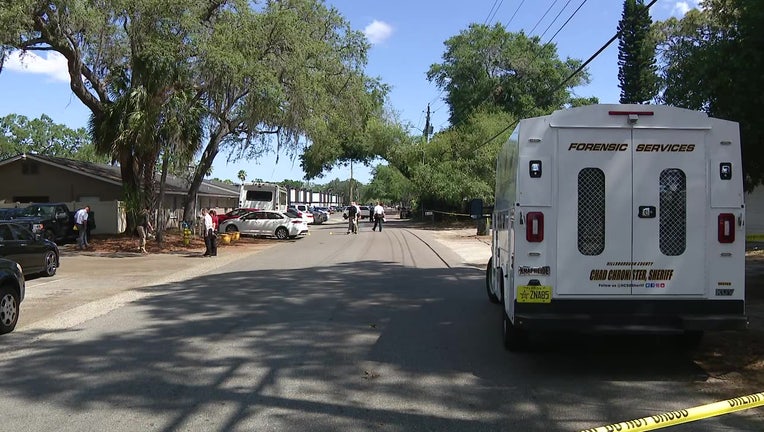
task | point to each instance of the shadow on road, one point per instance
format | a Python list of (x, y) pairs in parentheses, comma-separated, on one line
[(363, 345)]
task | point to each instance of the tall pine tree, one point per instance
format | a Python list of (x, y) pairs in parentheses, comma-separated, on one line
[(637, 71)]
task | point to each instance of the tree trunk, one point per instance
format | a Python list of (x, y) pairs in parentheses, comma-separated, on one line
[(132, 189), (205, 163), (160, 222)]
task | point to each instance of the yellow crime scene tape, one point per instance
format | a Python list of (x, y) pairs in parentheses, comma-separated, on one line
[(673, 418)]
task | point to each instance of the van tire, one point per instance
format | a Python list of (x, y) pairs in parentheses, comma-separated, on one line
[(489, 274), (514, 338)]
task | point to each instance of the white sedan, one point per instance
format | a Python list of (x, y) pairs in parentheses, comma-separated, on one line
[(266, 223)]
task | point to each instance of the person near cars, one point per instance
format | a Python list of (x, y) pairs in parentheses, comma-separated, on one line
[(354, 213), (89, 226), (80, 223), (215, 220), (379, 216), (209, 234), (143, 229)]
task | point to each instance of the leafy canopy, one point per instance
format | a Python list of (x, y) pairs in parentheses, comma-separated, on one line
[(492, 68), (711, 60)]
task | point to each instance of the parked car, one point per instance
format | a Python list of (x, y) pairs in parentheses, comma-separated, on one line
[(34, 253), (11, 294), (306, 217), (320, 215), (266, 223), (306, 214), (235, 213), (366, 212)]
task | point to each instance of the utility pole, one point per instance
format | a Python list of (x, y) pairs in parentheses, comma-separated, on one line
[(427, 127), (351, 180)]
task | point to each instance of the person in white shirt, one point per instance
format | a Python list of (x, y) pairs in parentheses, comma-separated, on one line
[(209, 234), (81, 223), (379, 216)]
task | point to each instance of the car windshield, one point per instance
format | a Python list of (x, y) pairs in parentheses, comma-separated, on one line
[(39, 211)]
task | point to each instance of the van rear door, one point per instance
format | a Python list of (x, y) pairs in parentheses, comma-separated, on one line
[(670, 210), (632, 206), (594, 198)]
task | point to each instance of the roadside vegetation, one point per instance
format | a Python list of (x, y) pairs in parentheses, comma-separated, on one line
[(178, 84)]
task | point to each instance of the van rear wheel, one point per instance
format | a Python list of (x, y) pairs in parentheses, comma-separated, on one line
[(489, 281), (514, 338)]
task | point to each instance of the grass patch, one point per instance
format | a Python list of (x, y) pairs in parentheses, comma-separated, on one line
[(754, 238)]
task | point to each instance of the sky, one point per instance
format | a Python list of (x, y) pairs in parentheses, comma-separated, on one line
[(406, 38)]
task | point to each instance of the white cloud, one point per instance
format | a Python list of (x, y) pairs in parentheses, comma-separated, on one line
[(680, 8), (378, 31), (54, 65)]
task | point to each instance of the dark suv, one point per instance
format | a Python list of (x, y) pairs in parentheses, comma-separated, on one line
[(11, 294)]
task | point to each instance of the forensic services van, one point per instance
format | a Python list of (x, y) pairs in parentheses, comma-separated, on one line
[(625, 218)]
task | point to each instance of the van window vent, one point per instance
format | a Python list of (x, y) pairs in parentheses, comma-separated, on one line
[(672, 230), (591, 211)]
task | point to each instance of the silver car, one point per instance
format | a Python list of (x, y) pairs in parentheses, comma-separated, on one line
[(266, 224)]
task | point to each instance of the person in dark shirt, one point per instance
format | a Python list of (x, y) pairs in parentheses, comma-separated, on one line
[(353, 214), (89, 226), (144, 227)]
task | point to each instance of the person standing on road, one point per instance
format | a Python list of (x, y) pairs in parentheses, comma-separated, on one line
[(379, 216), (209, 234), (353, 214), (144, 228), (80, 223)]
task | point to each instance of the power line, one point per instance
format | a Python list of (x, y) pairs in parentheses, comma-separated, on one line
[(513, 15), (542, 17), (491, 13), (541, 46), (561, 84), (555, 19), (568, 20)]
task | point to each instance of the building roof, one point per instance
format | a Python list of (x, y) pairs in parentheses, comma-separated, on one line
[(111, 174)]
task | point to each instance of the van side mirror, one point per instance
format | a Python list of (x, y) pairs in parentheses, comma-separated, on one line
[(476, 208)]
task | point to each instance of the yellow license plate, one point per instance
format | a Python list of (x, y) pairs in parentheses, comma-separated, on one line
[(534, 294)]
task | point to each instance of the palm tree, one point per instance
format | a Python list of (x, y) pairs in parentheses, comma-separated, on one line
[(242, 175), (154, 113), (180, 135)]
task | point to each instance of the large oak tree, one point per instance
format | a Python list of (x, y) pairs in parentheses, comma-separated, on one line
[(268, 75), (492, 68)]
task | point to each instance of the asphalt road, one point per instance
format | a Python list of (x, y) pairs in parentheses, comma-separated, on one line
[(369, 332)]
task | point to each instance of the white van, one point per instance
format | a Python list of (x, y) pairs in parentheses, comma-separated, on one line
[(626, 218)]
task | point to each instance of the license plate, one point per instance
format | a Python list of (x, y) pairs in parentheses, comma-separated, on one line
[(534, 294)]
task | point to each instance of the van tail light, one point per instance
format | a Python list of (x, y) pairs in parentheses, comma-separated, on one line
[(726, 228), (534, 227)]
